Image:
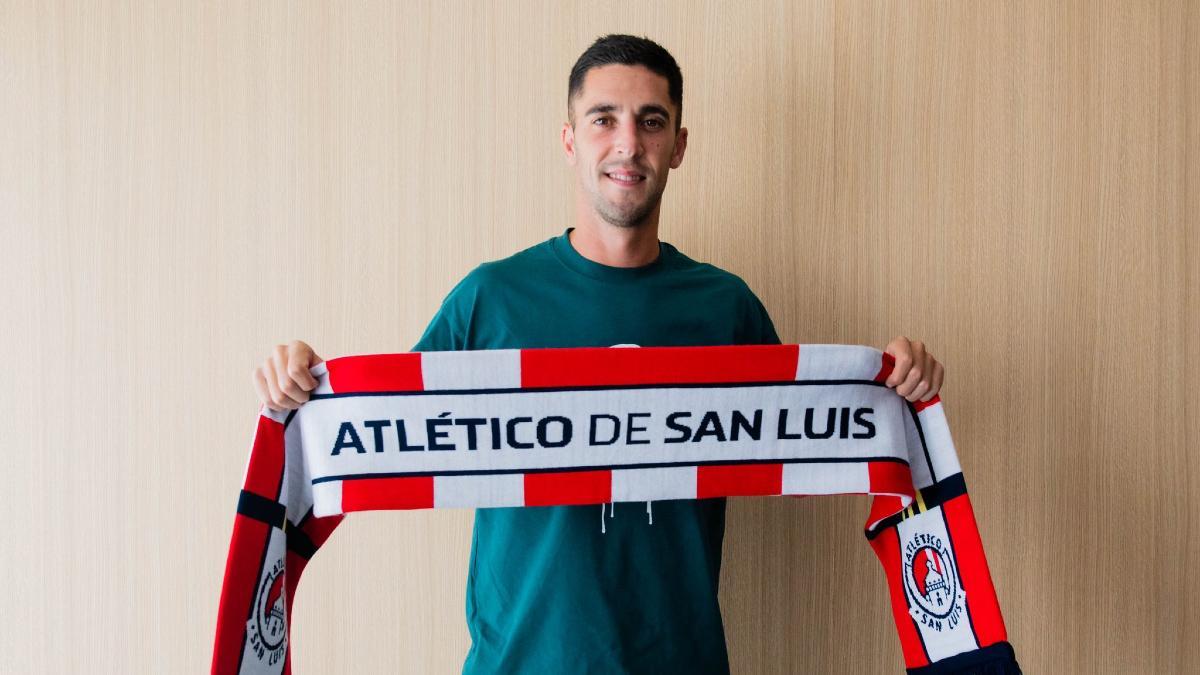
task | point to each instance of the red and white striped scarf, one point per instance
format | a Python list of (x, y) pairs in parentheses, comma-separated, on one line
[(542, 427)]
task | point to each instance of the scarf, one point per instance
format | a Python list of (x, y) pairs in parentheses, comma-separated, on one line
[(542, 427)]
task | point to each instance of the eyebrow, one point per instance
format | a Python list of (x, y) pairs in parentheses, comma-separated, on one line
[(642, 111)]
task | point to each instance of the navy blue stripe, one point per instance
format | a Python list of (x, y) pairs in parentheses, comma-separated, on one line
[(924, 448), (288, 420), (300, 543), (994, 659), (941, 492), (604, 467), (261, 509)]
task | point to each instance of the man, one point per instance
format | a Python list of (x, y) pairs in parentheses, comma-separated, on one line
[(551, 589)]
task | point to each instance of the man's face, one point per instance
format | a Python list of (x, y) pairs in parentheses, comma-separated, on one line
[(622, 142)]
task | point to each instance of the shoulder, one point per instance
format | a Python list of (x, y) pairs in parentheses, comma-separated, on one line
[(710, 274), (508, 269), (754, 324), (496, 282)]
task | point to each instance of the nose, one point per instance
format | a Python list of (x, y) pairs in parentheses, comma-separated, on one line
[(627, 141)]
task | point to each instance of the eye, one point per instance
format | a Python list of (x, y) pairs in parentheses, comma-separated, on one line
[(599, 120), (655, 123)]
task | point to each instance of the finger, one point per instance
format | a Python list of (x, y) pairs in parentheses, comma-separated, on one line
[(935, 381), (921, 366), (275, 400), (918, 391), (301, 357), (920, 356), (902, 353), (278, 377), (910, 382), (923, 361), (287, 384), (293, 395), (260, 386)]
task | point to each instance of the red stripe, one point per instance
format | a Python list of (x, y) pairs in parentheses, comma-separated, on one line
[(890, 478), (887, 549), (738, 480), (237, 591), (265, 470), (319, 529), (376, 372), (885, 369), (973, 569), (585, 366), (558, 488), (884, 506), (921, 405), (379, 494)]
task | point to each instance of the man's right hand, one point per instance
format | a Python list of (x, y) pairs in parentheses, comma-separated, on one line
[(283, 380)]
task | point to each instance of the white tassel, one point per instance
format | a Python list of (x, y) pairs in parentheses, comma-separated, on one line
[(649, 513)]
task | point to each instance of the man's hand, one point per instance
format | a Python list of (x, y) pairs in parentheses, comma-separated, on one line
[(283, 380), (917, 375)]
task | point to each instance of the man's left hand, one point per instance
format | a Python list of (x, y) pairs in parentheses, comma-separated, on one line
[(917, 376)]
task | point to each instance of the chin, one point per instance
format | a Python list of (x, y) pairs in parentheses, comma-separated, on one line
[(631, 220)]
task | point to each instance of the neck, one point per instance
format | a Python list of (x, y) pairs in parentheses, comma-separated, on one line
[(615, 246)]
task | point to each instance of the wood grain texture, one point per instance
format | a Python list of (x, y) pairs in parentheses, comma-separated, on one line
[(183, 186)]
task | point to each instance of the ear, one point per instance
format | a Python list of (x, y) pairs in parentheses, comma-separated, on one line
[(680, 147), (568, 142)]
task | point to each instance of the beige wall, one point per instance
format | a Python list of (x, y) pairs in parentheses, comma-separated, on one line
[(186, 184)]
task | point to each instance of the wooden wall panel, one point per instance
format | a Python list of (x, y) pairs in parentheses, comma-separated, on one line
[(183, 186)]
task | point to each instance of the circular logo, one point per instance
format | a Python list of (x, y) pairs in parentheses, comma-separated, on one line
[(931, 581), (268, 621)]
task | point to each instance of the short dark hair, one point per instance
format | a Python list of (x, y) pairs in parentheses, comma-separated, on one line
[(629, 50)]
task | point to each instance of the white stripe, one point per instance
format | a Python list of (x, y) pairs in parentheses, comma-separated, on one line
[(277, 415), (639, 485), (320, 371), (476, 491), (484, 369), (327, 498), (826, 479), (836, 362), (937, 438)]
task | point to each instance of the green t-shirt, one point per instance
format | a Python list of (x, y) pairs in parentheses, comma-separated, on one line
[(548, 592)]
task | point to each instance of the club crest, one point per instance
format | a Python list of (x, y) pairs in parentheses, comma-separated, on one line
[(936, 598)]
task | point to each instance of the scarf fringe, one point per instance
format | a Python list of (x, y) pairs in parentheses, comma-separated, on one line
[(612, 513)]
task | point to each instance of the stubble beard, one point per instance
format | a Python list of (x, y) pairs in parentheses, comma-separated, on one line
[(632, 217)]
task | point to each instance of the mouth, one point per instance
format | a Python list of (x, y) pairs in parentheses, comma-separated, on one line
[(625, 178)]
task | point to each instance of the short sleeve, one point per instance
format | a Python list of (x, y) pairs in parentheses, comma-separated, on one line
[(439, 335), (758, 328)]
